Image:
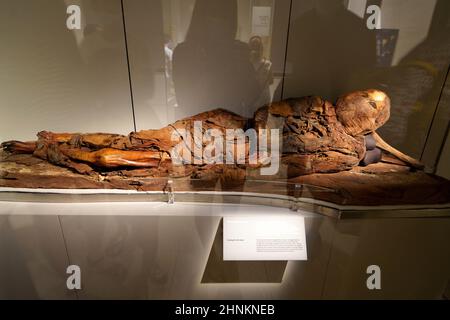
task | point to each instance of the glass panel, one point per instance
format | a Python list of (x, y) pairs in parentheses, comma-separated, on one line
[(234, 76), (54, 79), (218, 55), (332, 52)]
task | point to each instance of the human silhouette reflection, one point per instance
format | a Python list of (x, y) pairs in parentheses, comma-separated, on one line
[(416, 84), (212, 69), (263, 68), (329, 48)]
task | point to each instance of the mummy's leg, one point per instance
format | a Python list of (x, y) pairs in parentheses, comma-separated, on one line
[(113, 158)]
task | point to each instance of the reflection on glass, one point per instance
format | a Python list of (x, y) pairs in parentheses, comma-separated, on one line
[(263, 68), (415, 83), (209, 61), (331, 51), (329, 48)]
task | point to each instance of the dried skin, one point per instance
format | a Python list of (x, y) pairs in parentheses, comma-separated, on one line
[(363, 112), (315, 137), (313, 140)]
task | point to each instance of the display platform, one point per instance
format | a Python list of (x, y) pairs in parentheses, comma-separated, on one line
[(389, 187)]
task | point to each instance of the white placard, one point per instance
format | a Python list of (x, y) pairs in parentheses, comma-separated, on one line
[(264, 238), (261, 17)]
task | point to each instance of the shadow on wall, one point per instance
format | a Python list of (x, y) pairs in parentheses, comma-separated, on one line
[(329, 47), (332, 52), (211, 69), (415, 86)]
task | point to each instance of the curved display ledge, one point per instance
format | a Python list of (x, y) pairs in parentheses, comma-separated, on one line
[(223, 197)]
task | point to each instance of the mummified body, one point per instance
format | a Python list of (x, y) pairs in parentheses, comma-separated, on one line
[(315, 136)]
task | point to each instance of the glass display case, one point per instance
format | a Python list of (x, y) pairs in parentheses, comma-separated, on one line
[(149, 143)]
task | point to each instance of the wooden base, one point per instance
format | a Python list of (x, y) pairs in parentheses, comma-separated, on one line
[(378, 184)]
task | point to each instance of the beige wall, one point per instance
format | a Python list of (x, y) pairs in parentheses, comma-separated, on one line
[(412, 18), (49, 81)]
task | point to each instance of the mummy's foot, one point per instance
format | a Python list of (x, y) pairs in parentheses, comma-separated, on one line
[(17, 147)]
